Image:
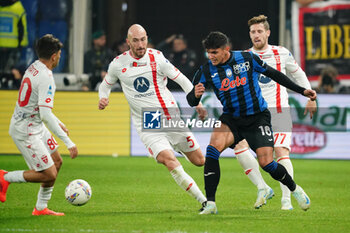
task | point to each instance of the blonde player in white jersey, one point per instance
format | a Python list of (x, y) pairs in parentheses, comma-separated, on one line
[(28, 131), (276, 97), (143, 75)]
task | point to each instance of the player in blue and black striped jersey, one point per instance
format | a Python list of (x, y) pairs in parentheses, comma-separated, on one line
[(233, 75)]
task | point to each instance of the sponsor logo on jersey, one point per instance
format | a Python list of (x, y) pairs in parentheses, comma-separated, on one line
[(241, 67), (138, 64), (263, 79), (141, 84), (152, 119), (307, 139), (228, 73), (226, 83)]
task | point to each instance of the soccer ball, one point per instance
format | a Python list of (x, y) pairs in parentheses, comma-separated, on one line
[(78, 192)]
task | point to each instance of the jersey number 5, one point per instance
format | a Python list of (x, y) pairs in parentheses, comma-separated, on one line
[(189, 139)]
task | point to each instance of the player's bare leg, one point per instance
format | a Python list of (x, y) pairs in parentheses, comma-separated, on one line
[(196, 157), (282, 157), (251, 169), (185, 181)]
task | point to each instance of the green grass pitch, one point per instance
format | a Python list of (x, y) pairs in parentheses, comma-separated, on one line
[(132, 194)]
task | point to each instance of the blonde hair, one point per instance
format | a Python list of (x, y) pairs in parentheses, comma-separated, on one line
[(259, 19)]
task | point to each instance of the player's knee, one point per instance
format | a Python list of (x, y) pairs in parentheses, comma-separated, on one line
[(199, 161), (50, 175)]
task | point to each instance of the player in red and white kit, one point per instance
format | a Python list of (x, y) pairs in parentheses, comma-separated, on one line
[(143, 76), (28, 130), (276, 97)]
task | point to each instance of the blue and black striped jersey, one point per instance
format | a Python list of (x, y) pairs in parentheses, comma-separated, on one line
[(235, 83)]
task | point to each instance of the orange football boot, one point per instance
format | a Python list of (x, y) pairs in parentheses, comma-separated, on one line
[(3, 186), (46, 211)]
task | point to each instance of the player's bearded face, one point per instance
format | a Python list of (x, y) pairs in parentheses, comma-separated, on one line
[(138, 45), (56, 59), (259, 36)]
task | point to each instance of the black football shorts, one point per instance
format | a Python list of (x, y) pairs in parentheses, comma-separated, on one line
[(256, 129)]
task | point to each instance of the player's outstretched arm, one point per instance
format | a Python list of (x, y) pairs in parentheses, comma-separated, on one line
[(282, 79)]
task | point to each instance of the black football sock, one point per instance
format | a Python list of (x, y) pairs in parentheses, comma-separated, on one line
[(279, 172), (211, 172)]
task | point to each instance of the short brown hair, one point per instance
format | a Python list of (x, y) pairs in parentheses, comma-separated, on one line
[(47, 45), (259, 19)]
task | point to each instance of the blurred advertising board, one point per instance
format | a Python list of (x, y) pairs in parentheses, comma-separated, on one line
[(325, 136), (94, 132)]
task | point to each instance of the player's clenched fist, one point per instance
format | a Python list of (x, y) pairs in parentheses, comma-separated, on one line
[(199, 90), (311, 94), (103, 103)]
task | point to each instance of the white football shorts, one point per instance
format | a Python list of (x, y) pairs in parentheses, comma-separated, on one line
[(37, 149), (282, 128), (156, 142)]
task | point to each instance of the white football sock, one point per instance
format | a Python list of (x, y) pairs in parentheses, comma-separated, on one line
[(187, 183), (15, 177), (251, 167), (44, 195), (285, 162)]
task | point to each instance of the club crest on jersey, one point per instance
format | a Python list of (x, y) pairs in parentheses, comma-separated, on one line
[(228, 73), (152, 119), (241, 67), (141, 84), (45, 159), (263, 79)]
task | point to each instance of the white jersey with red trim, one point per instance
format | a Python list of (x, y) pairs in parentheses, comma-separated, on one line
[(144, 82), (282, 60), (37, 89)]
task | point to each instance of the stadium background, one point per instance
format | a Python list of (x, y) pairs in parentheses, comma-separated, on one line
[(110, 132)]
